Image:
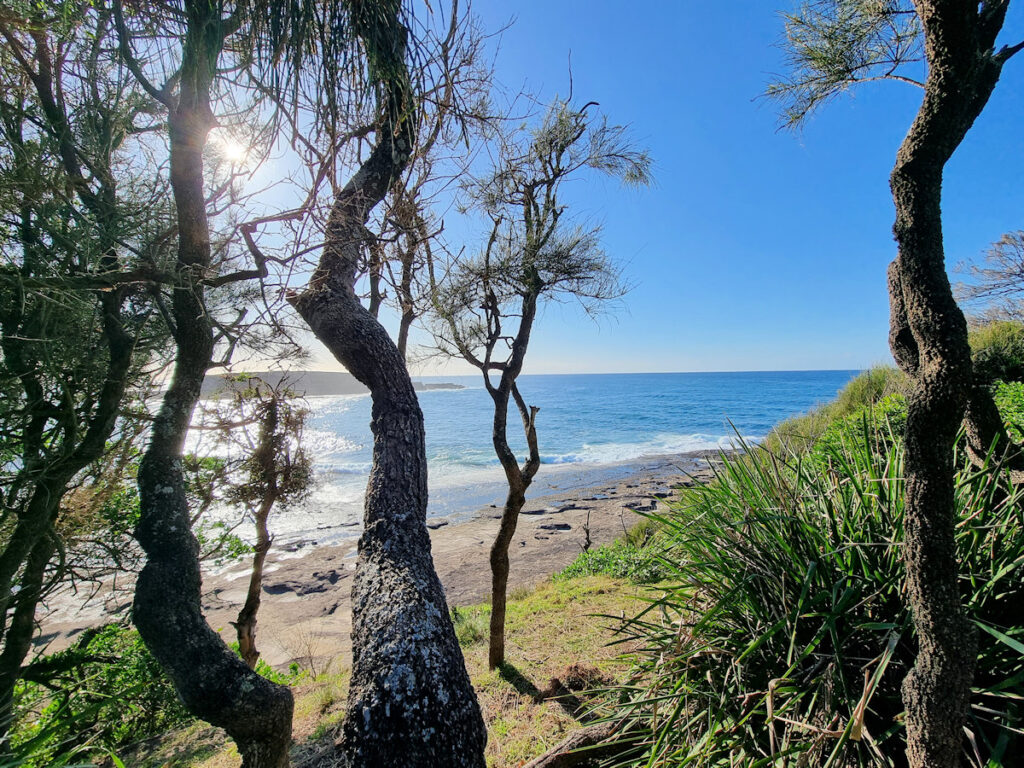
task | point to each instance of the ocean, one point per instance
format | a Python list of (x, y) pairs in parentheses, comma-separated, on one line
[(592, 429)]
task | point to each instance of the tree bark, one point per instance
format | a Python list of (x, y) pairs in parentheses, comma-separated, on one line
[(582, 747), (519, 480), (929, 341), (18, 639), (410, 700), (245, 625), (499, 573), (212, 681)]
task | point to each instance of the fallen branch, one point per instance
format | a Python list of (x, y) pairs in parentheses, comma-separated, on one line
[(580, 747)]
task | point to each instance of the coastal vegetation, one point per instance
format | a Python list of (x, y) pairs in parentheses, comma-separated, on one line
[(833, 46), (846, 592), (758, 615), (534, 255)]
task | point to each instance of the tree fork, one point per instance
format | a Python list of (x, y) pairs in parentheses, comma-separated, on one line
[(410, 700)]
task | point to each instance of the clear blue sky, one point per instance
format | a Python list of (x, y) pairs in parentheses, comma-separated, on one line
[(755, 249)]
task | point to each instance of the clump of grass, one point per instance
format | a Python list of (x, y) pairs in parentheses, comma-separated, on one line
[(619, 560), (105, 693), (635, 557), (472, 624), (784, 637)]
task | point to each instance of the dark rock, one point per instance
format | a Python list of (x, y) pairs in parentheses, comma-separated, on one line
[(281, 587), (435, 524), (324, 579), (569, 507), (638, 507), (556, 527), (331, 576)]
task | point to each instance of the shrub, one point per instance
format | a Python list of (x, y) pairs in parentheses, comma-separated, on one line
[(800, 433), (622, 559), (784, 639), (997, 351), (888, 417), (106, 692), (1009, 397)]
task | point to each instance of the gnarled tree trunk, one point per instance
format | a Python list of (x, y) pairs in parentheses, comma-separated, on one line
[(929, 341), (519, 480), (410, 701), (213, 682), (245, 624)]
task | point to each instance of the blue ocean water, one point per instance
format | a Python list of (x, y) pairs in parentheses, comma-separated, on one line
[(590, 426)]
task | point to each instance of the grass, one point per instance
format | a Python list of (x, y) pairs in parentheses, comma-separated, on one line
[(563, 629), (560, 629)]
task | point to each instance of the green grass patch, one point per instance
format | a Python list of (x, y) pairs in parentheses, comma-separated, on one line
[(1009, 397), (619, 560)]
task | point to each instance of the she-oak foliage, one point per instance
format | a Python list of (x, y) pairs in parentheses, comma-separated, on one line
[(75, 209), (485, 311)]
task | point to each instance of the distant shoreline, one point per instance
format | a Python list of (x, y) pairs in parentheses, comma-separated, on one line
[(310, 383)]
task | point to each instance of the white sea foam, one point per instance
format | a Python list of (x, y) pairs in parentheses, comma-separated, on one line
[(322, 443), (665, 444)]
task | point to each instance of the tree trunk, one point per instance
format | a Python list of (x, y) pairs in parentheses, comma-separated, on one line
[(987, 436), (499, 573), (212, 681), (245, 626), (929, 340), (518, 478), (18, 639), (410, 700), (405, 296)]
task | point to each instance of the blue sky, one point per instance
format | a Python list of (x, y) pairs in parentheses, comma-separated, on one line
[(755, 249)]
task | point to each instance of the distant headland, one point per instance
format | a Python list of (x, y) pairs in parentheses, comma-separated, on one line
[(312, 383)]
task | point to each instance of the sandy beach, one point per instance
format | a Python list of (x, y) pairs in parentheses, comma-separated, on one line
[(305, 616)]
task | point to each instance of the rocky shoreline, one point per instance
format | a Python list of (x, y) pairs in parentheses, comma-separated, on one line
[(305, 615)]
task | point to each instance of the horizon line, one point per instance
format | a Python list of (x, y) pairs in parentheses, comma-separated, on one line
[(573, 373)]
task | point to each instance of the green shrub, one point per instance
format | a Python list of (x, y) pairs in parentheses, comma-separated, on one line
[(117, 696), (640, 564), (997, 351), (800, 433), (1009, 397), (786, 620), (888, 416)]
